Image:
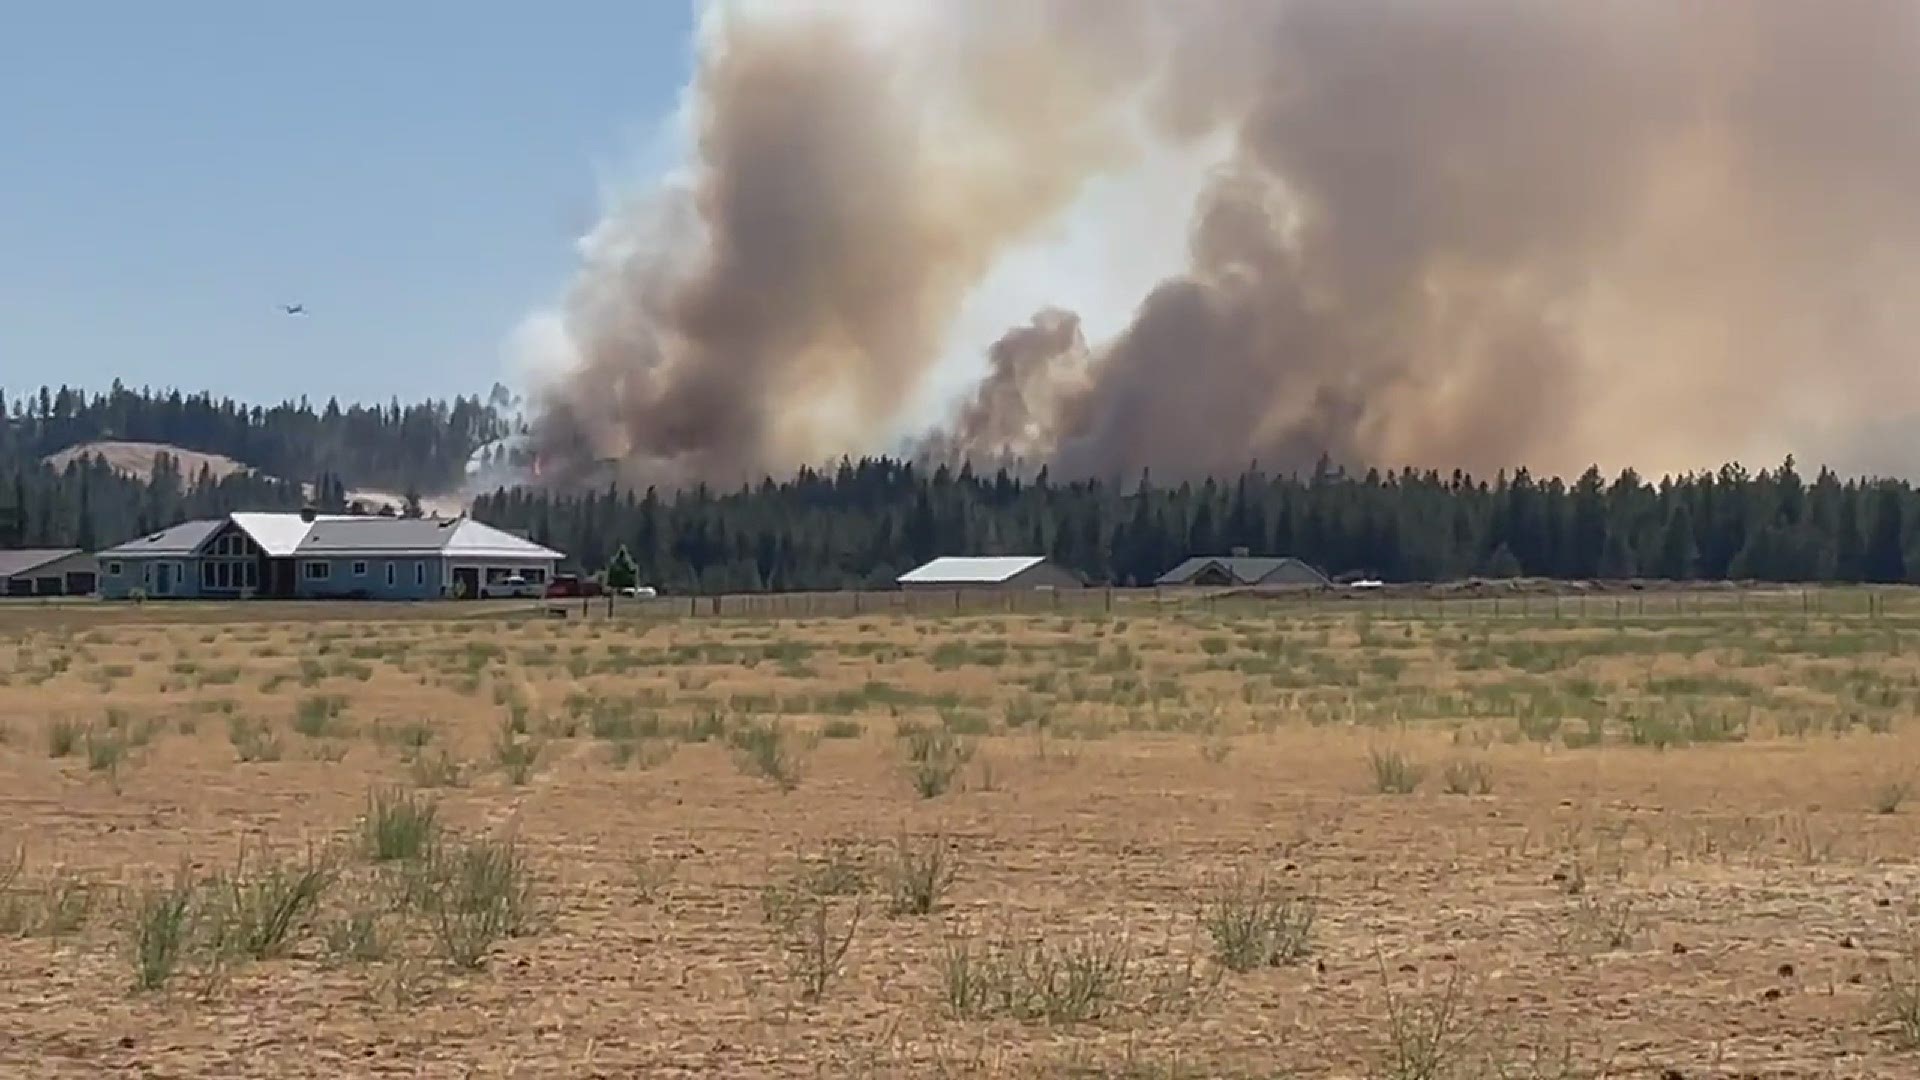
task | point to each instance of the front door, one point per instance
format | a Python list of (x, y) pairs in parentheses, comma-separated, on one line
[(163, 579), (466, 582)]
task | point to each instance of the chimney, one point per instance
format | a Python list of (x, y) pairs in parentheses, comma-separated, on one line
[(307, 514)]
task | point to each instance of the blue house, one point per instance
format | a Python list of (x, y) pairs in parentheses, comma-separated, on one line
[(320, 556)]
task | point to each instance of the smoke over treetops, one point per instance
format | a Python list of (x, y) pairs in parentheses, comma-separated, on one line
[(1478, 232)]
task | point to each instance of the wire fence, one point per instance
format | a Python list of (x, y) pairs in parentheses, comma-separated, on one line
[(1621, 606)]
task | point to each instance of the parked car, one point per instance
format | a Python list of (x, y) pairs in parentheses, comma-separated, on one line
[(639, 592), (564, 586), (513, 585)]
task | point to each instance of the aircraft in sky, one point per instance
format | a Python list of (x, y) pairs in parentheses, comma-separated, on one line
[(294, 309)]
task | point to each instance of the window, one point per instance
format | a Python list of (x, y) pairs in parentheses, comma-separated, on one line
[(252, 574), (113, 569), (223, 577), (206, 575), (359, 568), (391, 568), (318, 571), (419, 573)]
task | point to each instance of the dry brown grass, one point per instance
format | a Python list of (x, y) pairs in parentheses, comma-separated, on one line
[(1002, 845)]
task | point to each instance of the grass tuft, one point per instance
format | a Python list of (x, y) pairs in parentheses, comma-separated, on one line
[(1467, 778), (1254, 923), (1394, 773), (160, 930), (399, 826), (764, 749), (919, 875)]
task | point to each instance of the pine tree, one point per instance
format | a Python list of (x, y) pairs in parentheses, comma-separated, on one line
[(1679, 551), (1886, 556), (621, 572)]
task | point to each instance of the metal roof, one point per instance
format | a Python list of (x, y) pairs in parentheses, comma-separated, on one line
[(378, 536), (182, 539), (970, 569), (283, 535), (476, 540), (22, 561), (278, 534), (1244, 569)]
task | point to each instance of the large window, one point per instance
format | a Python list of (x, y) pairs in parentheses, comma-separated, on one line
[(317, 570)]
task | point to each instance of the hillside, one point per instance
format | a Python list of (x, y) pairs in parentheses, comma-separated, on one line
[(135, 459), (424, 446)]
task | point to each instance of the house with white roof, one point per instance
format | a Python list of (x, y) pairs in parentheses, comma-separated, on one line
[(951, 572), (326, 556)]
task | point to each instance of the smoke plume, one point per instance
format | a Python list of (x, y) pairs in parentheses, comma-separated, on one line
[(1484, 233)]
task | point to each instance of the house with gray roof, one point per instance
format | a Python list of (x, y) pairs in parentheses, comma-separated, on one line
[(326, 556), (1218, 571), (47, 572)]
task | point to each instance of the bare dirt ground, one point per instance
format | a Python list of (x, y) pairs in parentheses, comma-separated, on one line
[(1177, 843)]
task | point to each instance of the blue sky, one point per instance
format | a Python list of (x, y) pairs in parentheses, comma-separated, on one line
[(415, 173)]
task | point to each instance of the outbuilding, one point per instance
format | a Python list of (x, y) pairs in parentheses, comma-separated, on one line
[(48, 572), (951, 572)]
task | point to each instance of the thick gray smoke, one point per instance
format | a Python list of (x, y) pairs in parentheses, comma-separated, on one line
[(1476, 232)]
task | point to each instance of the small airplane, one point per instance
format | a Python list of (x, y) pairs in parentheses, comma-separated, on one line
[(294, 309)]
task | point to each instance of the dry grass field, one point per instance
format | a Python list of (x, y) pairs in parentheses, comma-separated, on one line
[(1243, 842)]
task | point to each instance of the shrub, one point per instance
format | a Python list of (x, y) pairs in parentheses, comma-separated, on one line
[(1888, 796), (399, 826), (516, 756), (474, 894), (252, 740), (764, 749), (814, 931), (1254, 923), (105, 751), (934, 758), (1394, 773), (1898, 1004), (842, 729), (160, 930), (63, 737), (314, 716), (258, 910), (919, 875), (1077, 980), (1468, 778)]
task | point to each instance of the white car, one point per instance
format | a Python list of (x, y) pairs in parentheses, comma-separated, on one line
[(513, 585), (639, 592)]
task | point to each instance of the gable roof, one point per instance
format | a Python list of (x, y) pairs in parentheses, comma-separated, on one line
[(454, 537), (970, 568), (22, 561), (279, 535), (284, 535), (1243, 569), (182, 539), (377, 536), (476, 540)]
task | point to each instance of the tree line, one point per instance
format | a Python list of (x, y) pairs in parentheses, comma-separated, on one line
[(420, 447), (866, 522)]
